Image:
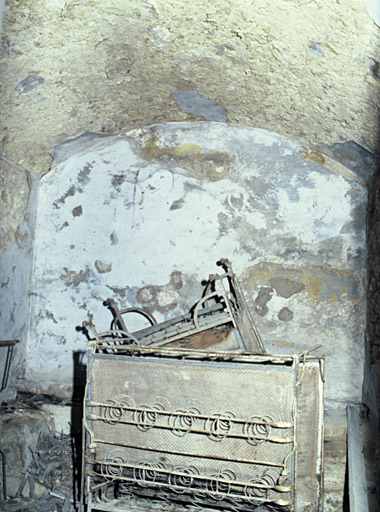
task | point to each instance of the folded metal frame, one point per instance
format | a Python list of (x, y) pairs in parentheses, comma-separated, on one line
[(220, 319)]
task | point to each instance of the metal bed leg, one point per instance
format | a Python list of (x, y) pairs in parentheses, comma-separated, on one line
[(3, 475)]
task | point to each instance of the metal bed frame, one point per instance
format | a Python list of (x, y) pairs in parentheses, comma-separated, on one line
[(171, 427), (222, 311)]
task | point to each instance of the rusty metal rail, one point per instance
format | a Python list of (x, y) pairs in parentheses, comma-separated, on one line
[(10, 344), (222, 309), (220, 447)]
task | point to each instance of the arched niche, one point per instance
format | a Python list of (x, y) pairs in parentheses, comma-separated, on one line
[(143, 218)]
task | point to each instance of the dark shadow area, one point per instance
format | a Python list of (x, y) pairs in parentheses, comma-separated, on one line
[(371, 387), (346, 498), (79, 384)]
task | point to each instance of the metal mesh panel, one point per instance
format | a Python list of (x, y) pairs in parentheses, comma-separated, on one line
[(197, 429)]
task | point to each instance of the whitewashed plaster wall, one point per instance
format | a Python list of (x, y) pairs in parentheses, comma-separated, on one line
[(144, 217)]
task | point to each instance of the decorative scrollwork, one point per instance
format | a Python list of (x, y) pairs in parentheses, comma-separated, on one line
[(182, 421), (259, 487), (117, 408), (112, 466), (111, 469), (146, 473), (220, 486), (112, 414), (257, 429), (218, 426), (184, 479), (146, 416)]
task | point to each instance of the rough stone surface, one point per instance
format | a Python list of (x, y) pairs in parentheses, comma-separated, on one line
[(19, 432), (110, 66), (163, 204), (14, 196), (373, 9), (15, 291), (1, 12)]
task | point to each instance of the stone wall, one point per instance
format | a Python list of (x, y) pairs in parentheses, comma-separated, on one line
[(371, 389), (306, 70), (15, 287)]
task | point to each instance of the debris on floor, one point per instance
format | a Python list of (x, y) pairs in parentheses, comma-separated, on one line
[(39, 463)]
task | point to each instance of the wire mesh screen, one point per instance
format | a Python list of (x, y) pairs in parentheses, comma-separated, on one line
[(201, 430)]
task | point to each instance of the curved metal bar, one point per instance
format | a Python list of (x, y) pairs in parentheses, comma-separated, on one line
[(115, 334), (142, 312), (10, 344), (118, 321), (205, 299)]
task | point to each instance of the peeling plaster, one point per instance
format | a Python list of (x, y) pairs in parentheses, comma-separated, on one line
[(149, 239), (327, 306), (103, 268)]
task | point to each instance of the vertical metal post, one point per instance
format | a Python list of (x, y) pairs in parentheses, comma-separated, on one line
[(10, 345), (7, 367)]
